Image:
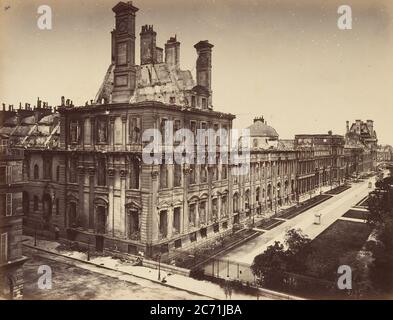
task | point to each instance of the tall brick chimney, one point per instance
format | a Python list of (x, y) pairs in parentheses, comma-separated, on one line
[(172, 53), (204, 65), (123, 52), (370, 126), (148, 45)]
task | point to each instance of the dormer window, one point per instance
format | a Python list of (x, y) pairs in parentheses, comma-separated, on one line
[(193, 101), (204, 103), (74, 132)]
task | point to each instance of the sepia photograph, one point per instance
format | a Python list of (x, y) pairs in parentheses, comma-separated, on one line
[(218, 151)]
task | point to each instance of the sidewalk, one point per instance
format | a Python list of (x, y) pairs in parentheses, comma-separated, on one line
[(204, 288)]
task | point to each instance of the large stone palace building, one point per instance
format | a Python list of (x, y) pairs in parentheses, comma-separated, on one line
[(86, 178)]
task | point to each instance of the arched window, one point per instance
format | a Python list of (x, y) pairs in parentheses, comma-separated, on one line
[(257, 194), (36, 172), (235, 202), (247, 200)]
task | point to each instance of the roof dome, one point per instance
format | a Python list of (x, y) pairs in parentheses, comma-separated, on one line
[(260, 129)]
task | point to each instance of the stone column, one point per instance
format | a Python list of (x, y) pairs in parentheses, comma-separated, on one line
[(154, 218), (92, 173), (170, 222), (124, 130), (82, 213), (112, 131), (111, 206), (123, 215), (184, 218)]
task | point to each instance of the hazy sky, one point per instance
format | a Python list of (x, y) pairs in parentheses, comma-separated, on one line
[(283, 59)]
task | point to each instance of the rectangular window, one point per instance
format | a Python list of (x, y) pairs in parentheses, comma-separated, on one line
[(102, 130), (134, 130), (3, 175), (193, 127), (224, 171), (6, 204), (202, 212), (193, 101), (203, 173), (4, 248), (204, 103), (163, 176), (216, 127), (177, 175), (192, 215), (203, 232), (192, 174), (9, 204), (215, 208), (3, 204), (176, 220)]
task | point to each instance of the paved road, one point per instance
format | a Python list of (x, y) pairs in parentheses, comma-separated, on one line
[(72, 282), (331, 210)]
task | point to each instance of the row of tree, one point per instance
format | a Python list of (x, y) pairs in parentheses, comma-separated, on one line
[(380, 205)]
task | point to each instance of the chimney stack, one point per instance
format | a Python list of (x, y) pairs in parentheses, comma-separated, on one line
[(148, 45), (204, 65), (172, 53), (347, 126), (123, 52), (358, 123)]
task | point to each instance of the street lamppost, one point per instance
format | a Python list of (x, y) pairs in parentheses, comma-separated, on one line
[(88, 249), (35, 236)]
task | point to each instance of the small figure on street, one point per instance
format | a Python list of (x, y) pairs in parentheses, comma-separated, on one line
[(57, 233), (228, 288)]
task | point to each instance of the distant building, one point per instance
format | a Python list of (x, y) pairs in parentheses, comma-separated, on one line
[(320, 161), (271, 182), (360, 147)]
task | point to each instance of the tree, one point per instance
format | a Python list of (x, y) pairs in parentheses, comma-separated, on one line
[(270, 266), (380, 205), (299, 249)]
